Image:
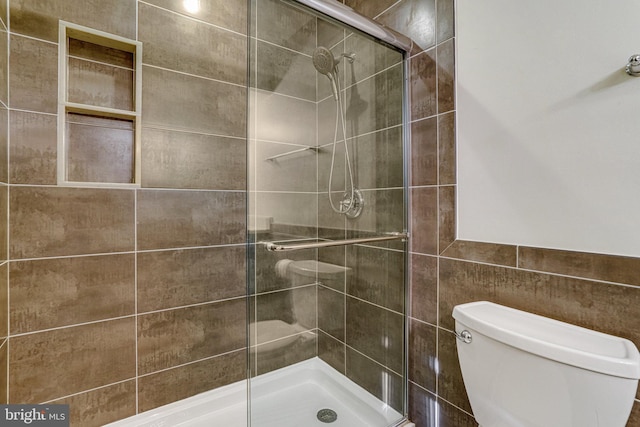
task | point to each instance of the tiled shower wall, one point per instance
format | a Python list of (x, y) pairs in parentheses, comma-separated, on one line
[(596, 291), (125, 299), (4, 130)]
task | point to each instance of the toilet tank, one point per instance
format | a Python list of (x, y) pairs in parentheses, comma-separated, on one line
[(525, 370)]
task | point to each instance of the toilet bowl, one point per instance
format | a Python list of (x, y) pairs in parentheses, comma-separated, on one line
[(525, 370)]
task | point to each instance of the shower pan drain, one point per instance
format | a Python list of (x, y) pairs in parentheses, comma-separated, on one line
[(327, 415)]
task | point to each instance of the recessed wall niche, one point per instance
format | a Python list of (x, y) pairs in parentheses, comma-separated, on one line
[(99, 108)]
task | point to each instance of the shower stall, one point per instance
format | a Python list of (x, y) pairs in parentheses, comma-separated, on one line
[(327, 218)]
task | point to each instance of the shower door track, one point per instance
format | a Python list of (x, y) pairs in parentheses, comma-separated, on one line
[(274, 247)]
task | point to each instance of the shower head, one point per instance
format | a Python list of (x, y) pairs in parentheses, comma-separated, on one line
[(324, 60), (326, 63)]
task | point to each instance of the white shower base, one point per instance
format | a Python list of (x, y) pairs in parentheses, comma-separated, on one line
[(288, 397)]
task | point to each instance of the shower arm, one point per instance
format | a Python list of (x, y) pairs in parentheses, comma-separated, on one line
[(274, 247)]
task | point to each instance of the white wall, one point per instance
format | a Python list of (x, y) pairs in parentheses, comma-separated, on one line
[(549, 124)]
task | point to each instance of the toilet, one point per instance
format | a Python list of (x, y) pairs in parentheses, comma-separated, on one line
[(525, 370)]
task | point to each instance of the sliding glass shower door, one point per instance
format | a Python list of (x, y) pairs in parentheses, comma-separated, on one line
[(327, 213)]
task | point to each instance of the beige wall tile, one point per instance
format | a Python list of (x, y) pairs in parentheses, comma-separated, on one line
[(98, 407), (182, 102), (104, 54), (48, 365), (174, 219), (195, 333), (182, 44), (175, 278), (185, 381), (33, 148), (59, 292), (39, 18), (33, 71), (188, 160), (70, 221)]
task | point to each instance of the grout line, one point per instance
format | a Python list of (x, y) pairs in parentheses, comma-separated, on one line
[(33, 38), (157, 67), (93, 61), (193, 132)]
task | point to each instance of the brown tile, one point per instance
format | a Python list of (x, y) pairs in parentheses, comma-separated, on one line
[(371, 58), (100, 85), (187, 160), (446, 77), (378, 164), (33, 71), (424, 288), (183, 102), (4, 143), (611, 268), (369, 8), (335, 256), (446, 216), (377, 276), (490, 253), (4, 58), (4, 349), (331, 312), (70, 221), (194, 333), (376, 332), (295, 306), (267, 277), (299, 209), (273, 122), (174, 278), (48, 365), (105, 405), (175, 42), (450, 383), (95, 52), (286, 25), (4, 232), (386, 88), (173, 219), (59, 292), (276, 175), (580, 302), (447, 148), (424, 152), (4, 294), (301, 349), (99, 152), (446, 20), (34, 142), (185, 381), (423, 84), (384, 384), (39, 19), (424, 220), (229, 14), (383, 212), (331, 351), (634, 418), (284, 71), (414, 18), (423, 359), (425, 410)]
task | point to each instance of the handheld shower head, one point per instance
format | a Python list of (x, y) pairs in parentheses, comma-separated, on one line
[(326, 64), (324, 60)]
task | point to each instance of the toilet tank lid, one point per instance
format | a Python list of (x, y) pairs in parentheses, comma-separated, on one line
[(552, 339)]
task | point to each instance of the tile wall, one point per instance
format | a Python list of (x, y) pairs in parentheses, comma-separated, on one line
[(596, 291), (4, 192), (122, 300)]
